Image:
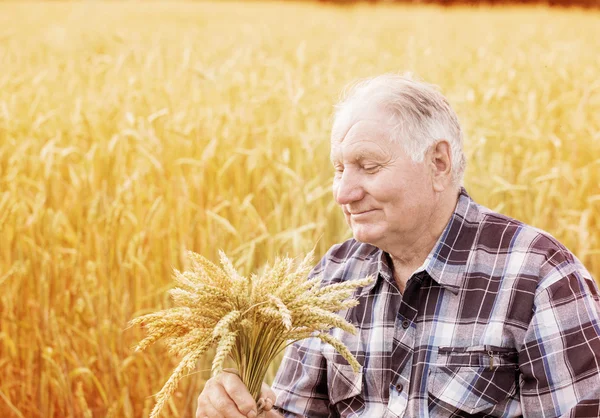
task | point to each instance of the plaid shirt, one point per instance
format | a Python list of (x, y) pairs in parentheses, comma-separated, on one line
[(501, 320)]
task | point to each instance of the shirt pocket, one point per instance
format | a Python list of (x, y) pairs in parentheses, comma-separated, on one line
[(474, 379), (342, 382)]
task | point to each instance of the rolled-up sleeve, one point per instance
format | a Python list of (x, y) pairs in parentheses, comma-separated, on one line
[(560, 359)]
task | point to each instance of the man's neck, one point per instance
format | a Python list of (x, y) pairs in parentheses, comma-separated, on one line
[(408, 256)]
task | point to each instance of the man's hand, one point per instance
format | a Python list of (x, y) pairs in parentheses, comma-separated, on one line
[(225, 396)]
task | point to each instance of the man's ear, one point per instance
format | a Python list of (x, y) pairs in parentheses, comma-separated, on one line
[(441, 165)]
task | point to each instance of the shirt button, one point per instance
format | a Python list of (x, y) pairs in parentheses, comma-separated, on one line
[(399, 387), (405, 324)]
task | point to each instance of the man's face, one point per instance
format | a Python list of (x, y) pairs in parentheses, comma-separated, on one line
[(384, 195)]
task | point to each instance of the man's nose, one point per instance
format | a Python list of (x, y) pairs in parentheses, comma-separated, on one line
[(347, 189)]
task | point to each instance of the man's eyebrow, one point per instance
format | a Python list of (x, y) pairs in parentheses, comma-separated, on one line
[(367, 154), (362, 154)]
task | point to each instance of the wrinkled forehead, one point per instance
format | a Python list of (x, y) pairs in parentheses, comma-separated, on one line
[(372, 113), (366, 137)]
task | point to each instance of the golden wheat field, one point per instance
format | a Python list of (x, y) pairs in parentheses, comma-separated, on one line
[(132, 132)]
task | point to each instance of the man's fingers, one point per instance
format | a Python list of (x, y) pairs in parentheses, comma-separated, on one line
[(226, 396), (269, 396), (239, 394), (206, 410), (220, 400)]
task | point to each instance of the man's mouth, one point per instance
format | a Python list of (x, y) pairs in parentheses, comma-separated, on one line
[(361, 212)]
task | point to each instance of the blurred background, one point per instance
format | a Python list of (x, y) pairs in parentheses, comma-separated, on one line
[(131, 132)]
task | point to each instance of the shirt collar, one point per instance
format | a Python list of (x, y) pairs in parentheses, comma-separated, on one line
[(447, 261)]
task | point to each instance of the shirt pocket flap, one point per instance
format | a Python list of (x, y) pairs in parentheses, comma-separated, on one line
[(342, 381), (474, 381)]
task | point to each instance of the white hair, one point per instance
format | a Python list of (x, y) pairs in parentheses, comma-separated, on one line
[(419, 113)]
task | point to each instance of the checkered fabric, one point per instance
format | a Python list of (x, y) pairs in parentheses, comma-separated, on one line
[(501, 320)]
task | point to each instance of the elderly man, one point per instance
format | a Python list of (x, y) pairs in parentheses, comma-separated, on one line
[(472, 314)]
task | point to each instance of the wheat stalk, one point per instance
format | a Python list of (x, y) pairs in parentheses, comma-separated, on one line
[(250, 319)]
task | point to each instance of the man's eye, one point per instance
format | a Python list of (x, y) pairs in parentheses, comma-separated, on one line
[(370, 168)]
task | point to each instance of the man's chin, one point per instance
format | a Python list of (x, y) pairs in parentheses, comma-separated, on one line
[(365, 237)]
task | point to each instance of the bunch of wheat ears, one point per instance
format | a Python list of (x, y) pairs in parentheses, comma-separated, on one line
[(251, 319)]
